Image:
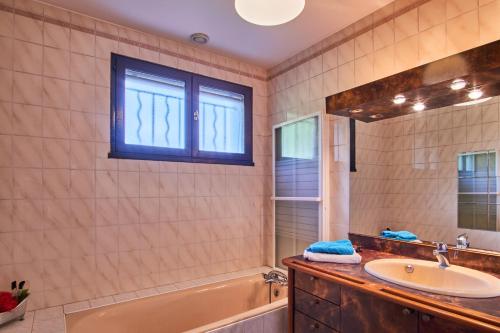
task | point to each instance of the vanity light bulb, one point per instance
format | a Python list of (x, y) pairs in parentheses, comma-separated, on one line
[(475, 94), (399, 99), (419, 106), (458, 84)]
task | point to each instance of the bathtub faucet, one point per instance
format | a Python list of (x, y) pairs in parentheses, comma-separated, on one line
[(275, 276)]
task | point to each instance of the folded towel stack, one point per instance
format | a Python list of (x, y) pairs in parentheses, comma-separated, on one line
[(341, 252), (399, 235)]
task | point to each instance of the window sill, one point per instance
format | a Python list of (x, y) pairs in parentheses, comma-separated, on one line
[(133, 156)]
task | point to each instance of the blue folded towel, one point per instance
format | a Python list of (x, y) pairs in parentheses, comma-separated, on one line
[(399, 235), (343, 246)]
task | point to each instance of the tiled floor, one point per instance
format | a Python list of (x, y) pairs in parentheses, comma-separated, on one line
[(51, 320)]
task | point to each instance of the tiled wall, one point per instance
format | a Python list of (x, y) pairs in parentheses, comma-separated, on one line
[(402, 35), (78, 225), (407, 177)]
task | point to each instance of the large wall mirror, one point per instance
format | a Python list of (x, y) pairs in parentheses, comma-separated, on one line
[(429, 165)]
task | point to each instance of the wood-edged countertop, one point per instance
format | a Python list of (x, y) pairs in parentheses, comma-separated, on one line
[(478, 311)]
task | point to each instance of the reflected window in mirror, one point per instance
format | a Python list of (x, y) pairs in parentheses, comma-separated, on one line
[(477, 190)]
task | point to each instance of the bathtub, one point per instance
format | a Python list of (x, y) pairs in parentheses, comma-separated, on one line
[(200, 309)]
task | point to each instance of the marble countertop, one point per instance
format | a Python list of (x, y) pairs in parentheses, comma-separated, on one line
[(490, 306)]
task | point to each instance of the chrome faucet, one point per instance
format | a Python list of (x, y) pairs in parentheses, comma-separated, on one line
[(441, 252), (275, 276), (463, 241)]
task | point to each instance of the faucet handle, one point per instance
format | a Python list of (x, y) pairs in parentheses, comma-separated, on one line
[(441, 246), (463, 241)]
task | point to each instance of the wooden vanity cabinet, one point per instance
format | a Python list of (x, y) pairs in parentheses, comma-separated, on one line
[(362, 312), (321, 306), (431, 324)]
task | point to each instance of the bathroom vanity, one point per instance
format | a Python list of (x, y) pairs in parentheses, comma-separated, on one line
[(327, 297)]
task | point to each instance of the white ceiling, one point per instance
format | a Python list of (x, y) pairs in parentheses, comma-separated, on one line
[(229, 34)]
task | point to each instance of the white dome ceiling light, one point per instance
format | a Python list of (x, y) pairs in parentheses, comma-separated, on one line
[(269, 12)]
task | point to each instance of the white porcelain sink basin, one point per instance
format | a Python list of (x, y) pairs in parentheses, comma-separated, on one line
[(427, 276)]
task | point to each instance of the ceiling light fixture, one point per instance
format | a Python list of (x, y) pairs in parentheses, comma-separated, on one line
[(473, 102), (458, 84), (475, 94), (376, 116), (356, 111), (269, 12), (399, 99), (419, 106)]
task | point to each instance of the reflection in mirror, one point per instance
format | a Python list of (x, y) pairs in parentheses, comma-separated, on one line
[(477, 191), (433, 173)]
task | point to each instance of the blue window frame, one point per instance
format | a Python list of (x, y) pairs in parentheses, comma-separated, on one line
[(162, 113)]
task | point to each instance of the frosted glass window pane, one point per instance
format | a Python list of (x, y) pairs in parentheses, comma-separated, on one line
[(154, 111), (296, 227), (298, 140), (297, 159), (221, 121)]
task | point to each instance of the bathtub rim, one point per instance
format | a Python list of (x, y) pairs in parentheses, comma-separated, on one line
[(203, 282)]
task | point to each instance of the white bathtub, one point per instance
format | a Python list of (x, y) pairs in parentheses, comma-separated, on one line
[(198, 309)]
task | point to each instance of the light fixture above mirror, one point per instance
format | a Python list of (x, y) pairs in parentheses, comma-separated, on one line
[(465, 77), (399, 99), (458, 84)]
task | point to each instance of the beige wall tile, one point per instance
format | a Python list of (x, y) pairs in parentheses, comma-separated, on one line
[(56, 63), (383, 62), (6, 57), (27, 88), (346, 52), (406, 25), (405, 54), (489, 29), (431, 13), (383, 35), (457, 7), (462, 32), (28, 29), (432, 44), (56, 36), (363, 44), (27, 57)]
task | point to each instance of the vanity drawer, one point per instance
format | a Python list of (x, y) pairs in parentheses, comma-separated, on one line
[(318, 309), (303, 323), (318, 287)]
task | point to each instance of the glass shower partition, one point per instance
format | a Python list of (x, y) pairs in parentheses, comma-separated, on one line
[(297, 190)]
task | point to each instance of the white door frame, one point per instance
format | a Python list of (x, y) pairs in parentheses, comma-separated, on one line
[(323, 150)]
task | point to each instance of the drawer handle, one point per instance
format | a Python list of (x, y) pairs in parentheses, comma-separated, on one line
[(407, 311), (314, 326), (426, 318)]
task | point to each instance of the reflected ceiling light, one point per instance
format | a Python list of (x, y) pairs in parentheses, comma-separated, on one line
[(475, 94), (458, 84), (399, 99), (356, 111), (376, 116), (476, 101), (419, 106), (269, 12)]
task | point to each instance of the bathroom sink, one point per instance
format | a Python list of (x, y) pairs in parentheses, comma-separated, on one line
[(428, 276)]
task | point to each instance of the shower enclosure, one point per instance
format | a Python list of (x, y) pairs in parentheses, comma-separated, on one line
[(298, 186)]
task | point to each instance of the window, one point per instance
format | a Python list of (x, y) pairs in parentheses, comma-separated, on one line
[(161, 113), (477, 190)]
